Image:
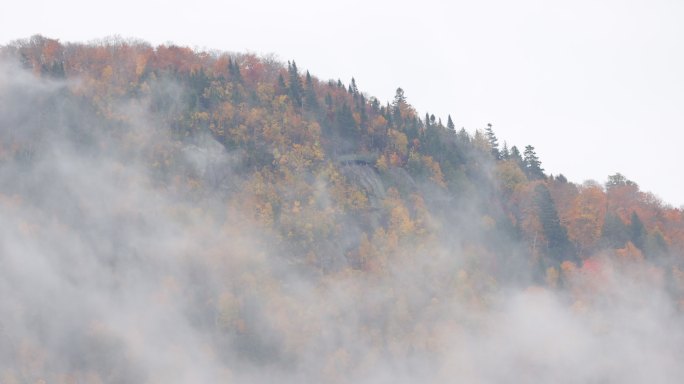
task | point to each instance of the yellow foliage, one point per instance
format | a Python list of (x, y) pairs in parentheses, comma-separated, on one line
[(552, 277), (398, 142), (630, 253), (509, 175), (381, 163)]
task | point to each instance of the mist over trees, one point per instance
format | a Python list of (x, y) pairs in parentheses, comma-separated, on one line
[(170, 215)]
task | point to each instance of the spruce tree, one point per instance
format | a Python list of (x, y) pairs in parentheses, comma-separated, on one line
[(532, 164), (637, 232), (295, 87), (505, 153), (463, 136), (450, 124), (517, 157), (559, 246), (282, 87), (353, 88), (493, 142), (311, 101)]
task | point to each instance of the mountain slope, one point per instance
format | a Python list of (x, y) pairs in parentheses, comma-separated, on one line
[(173, 215)]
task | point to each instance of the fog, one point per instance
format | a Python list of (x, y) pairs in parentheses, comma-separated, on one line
[(115, 269)]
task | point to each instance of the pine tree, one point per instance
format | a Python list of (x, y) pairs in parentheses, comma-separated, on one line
[(637, 232), (532, 164), (450, 124), (463, 136), (399, 98), (311, 101), (282, 87), (354, 90), (295, 87), (234, 70), (505, 153), (493, 142), (517, 157), (559, 246)]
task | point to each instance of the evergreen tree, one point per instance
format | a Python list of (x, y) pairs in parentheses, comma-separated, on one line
[(450, 125), (463, 136), (234, 70), (532, 164), (559, 246), (493, 141), (505, 153), (517, 157), (614, 233), (282, 87), (656, 246), (311, 101), (399, 98), (354, 90), (295, 85), (375, 105), (637, 232)]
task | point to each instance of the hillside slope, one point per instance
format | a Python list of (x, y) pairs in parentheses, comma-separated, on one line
[(182, 216)]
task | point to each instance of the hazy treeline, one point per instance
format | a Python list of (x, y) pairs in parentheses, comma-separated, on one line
[(179, 216)]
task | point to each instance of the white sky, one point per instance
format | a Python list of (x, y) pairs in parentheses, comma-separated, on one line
[(597, 86)]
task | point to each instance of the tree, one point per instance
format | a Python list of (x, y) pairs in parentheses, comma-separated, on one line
[(354, 90), (637, 232), (282, 87), (493, 141), (619, 180), (556, 235), (463, 136), (450, 125), (399, 98), (311, 101), (515, 156), (532, 164), (295, 87), (505, 153), (614, 233)]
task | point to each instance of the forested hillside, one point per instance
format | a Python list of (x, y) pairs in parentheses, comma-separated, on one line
[(171, 215)]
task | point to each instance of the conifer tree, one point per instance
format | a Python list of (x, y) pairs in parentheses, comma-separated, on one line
[(493, 142), (295, 87), (559, 246), (282, 87), (463, 136), (637, 232), (505, 153), (354, 90), (517, 157), (450, 124), (311, 101), (532, 164)]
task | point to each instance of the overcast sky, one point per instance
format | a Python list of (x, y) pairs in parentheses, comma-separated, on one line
[(597, 86)]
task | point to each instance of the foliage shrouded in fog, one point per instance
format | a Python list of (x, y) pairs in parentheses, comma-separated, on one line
[(178, 216)]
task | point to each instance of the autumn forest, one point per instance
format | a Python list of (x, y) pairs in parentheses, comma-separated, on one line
[(173, 215)]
